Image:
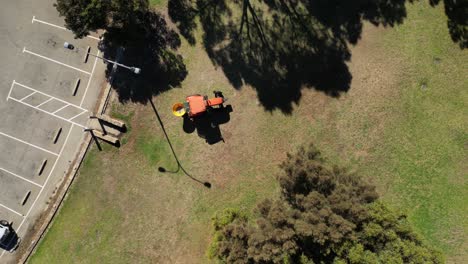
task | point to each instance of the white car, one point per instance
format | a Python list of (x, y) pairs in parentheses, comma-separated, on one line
[(4, 230), (8, 238)]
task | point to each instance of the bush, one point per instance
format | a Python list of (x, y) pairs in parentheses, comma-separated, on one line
[(323, 215)]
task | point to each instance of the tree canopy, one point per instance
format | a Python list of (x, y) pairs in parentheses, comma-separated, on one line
[(323, 215), (142, 37), (83, 16)]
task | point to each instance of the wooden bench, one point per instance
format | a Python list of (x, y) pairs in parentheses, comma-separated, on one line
[(107, 137)]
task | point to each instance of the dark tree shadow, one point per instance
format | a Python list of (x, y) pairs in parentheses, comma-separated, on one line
[(145, 42), (280, 47), (207, 125), (183, 14), (457, 14)]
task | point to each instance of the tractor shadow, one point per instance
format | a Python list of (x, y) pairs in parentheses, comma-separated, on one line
[(207, 125)]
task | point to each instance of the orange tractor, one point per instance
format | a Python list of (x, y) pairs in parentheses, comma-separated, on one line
[(196, 105)]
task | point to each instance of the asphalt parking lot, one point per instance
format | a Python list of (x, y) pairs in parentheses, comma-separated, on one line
[(47, 93)]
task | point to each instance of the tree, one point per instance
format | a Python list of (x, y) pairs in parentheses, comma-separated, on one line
[(329, 203), (83, 16), (387, 237), (275, 237), (140, 34), (323, 215), (231, 236)]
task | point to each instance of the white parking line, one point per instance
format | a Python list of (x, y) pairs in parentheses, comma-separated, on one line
[(70, 119), (54, 115), (22, 178), (45, 102), (11, 210), (47, 180), (48, 95), (60, 109), (11, 88), (40, 192), (27, 96), (89, 80), (37, 107), (52, 60), (34, 19), (29, 144)]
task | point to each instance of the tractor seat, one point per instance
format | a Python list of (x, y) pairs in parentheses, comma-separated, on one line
[(196, 104)]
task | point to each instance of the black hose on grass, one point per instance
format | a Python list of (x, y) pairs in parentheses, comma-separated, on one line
[(179, 165)]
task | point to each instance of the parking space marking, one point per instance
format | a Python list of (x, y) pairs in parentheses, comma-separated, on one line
[(40, 192), (22, 99), (11, 210), (37, 106), (61, 108), (48, 177), (90, 77), (50, 98), (76, 116), (45, 102), (48, 95), (22, 178), (52, 60), (52, 114), (11, 88), (34, 19), (29, 144)]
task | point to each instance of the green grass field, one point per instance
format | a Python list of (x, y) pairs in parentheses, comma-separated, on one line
[(402, 125), (158, 3), (427, 145)]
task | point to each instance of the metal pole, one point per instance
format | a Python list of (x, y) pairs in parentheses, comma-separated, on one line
[(135, 70), (113, 62)]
